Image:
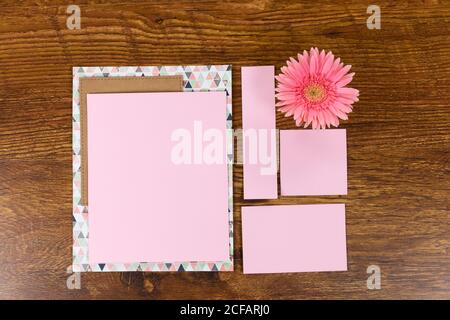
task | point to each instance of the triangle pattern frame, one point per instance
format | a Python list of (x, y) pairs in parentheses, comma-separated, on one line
[(196, 78)]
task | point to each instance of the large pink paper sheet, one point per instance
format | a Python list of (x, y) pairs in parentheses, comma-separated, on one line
[(258, 124), (142, 205), (294, 238), (313, 162)]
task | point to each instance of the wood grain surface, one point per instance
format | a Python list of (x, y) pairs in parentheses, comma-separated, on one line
[(398, 137)]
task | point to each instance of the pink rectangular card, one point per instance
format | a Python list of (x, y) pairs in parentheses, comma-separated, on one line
[(294, 238), (153, 194), (313, 162), (259, 135)]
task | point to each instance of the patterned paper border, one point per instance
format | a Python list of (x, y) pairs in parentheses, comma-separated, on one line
[(196, 78)]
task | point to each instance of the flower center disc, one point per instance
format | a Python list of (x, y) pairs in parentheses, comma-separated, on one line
[(314, 92)]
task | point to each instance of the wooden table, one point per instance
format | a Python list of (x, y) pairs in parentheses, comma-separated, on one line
[(398, 137)]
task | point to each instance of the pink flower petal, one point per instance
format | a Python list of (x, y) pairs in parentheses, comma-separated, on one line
[(334, 67), (329, 59), (313, 64), (347, 92), (338, 75), (345, 80), (344, 100)]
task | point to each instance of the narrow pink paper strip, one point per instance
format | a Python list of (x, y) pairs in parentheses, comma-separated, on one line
[(258, 120), (294, 238)]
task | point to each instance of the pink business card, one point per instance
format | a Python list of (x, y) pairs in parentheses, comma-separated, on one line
[(294, 238)]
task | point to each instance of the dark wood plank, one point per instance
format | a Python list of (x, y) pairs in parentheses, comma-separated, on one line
[(398, 137)]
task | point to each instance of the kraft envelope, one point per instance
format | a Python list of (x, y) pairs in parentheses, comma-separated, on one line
[(142, 205), (116, 85), (313, 162), (294, 238)]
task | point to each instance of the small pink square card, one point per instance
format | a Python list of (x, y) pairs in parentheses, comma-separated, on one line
[(313, 162)]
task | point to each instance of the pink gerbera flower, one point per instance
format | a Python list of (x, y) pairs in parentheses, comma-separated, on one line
[(313, 89)]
